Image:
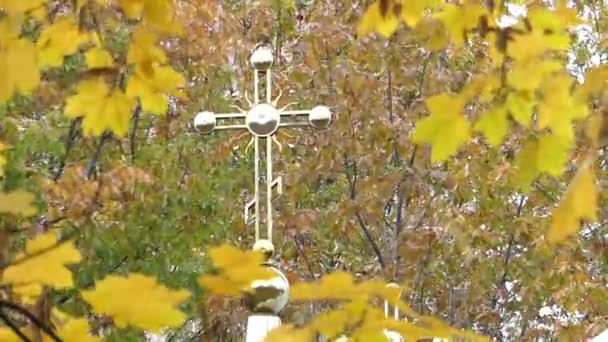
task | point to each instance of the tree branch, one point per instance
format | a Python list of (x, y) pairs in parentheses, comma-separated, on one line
[(300, 250), (31, 317), (93, 164), (371, 241), (133, 136), (69, 143), (13, 327)]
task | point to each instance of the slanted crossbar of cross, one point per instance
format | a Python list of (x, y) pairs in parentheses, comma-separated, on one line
[(262, 120)]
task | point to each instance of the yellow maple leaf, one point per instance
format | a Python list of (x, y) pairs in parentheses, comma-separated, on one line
[(144, 49), (19, 66), (159, 14), (76, 329), (18, 203), (20, 6), (98, 57), (43, 263), (137, 300), (545, 20), (458, 19), (3, 160), (413, 11), (558, 108), (578, 204), (132, 8), (547, 154), (484, 87), (7, 335), (374, 20), (527, 75), (534, 45), (520, 105), (58, 40), (289, 332), (152, 85), (494, 125), (446, 129), (595, 81), (432, 32), (102, 108), (238, 270)]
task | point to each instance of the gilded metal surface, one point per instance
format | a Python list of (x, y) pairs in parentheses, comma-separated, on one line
[(262, 120)]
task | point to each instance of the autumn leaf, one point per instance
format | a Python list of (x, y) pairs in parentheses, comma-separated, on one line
[(7, 335), (458, 19), (75, 329), (159, 14), (42, 263), (98, 57), (3, 160), (289, 332), (595, 81), (446, 129), (137, 300), (144, 50), (19, 66), (547, 154), (535, 44), (103, 108), (558, 20), (529, 74), (58, 40), (375, 21), (153, 85), (494, 125), (413, 11), (18, 203), (578, 204), (238, 269), (12, 6), (520, 105), (558, 108)]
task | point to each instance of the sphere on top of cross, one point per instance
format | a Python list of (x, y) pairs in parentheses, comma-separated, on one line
[(265, 246), (262, 58)]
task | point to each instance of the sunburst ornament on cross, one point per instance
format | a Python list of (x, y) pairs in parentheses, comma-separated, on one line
[(263, 120)]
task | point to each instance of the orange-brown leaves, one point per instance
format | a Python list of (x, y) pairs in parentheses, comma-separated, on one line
[(76, 196)]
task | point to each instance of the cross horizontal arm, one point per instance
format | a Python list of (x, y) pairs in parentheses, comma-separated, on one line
[(294, 124), (228, 127), (230, 115), (295, 112)]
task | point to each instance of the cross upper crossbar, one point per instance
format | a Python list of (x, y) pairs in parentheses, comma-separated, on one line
[(262, 120)]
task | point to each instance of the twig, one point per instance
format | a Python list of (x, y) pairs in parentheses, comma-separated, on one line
[(13, 327), (93, 164), (32, 318), (133, 136), (69, 143), (508, 256), (371, 240), (300, 250), (398, 228)]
